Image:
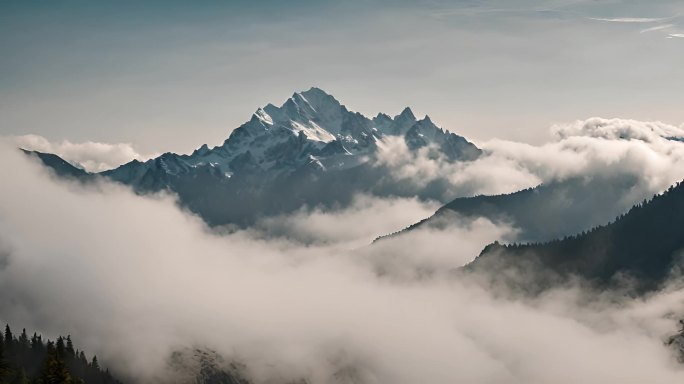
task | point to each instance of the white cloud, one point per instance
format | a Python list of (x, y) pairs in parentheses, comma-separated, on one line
[(657, 28), (133, 278), (594, 147), (450, 241), (599, 168), (91, 156), (619, 129), (631, 19), (354, 226)]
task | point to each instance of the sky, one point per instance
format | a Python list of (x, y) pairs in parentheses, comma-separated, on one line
[(170, 76)]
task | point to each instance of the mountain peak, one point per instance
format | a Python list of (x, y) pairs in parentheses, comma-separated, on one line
[(313, 94), (406, 114), (201, 151), (315, 91), (319, 99)]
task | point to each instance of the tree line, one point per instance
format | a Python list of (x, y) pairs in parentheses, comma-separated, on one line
[(32, 360)]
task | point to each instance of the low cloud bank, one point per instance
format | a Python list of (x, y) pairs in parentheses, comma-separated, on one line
[(651, 151), (91, 156), (595, 169), (357, 225), (134, 278)]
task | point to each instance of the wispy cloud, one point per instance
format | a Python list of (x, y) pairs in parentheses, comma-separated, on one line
[(666, 25), (631, 19), (657, 28)]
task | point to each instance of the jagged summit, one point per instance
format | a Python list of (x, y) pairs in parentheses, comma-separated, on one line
[(318, 97), (309, 127), (306, 124), (406, 114)]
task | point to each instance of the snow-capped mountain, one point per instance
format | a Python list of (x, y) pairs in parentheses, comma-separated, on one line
[(310, 129), (309, 151)]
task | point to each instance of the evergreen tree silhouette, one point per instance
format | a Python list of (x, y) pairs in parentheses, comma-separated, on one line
[(8, 336), (54, 371), (32, 361)]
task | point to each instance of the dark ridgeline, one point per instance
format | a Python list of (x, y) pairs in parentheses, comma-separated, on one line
[(61, 167), (642, 247), (543, 213), (31, 360)]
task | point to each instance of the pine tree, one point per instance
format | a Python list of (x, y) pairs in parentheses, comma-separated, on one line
[(4, 365), (94, 364), (36, 343), (70, 346), (60, 347), (23, 339), (54, 371), (8, 336)]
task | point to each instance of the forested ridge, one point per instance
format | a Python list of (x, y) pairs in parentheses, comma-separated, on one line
[(32, 360), (645, 243)]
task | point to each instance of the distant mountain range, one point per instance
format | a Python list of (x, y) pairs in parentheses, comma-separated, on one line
[(310, 151)]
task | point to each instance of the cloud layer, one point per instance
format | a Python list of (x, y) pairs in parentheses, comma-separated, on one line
[(650, 151), (134, 278), (605, 166)]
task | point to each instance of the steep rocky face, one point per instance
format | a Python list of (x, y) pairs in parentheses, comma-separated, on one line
[(425, 133)]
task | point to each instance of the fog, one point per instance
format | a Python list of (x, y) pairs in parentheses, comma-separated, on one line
[(593, 171), (594, 147), (89, 155), (651, 152), (367, 218), (133, 279)]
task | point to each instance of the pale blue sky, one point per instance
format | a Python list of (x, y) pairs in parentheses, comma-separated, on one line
[(172, 75)]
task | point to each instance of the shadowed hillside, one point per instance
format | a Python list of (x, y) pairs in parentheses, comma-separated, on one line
[(546, 212), (643, 245)]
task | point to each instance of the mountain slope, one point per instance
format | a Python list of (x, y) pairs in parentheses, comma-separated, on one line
[(548, 211), (61, 167), (644, 244)]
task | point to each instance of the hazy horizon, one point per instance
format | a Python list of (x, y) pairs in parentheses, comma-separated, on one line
[(171, 76)]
